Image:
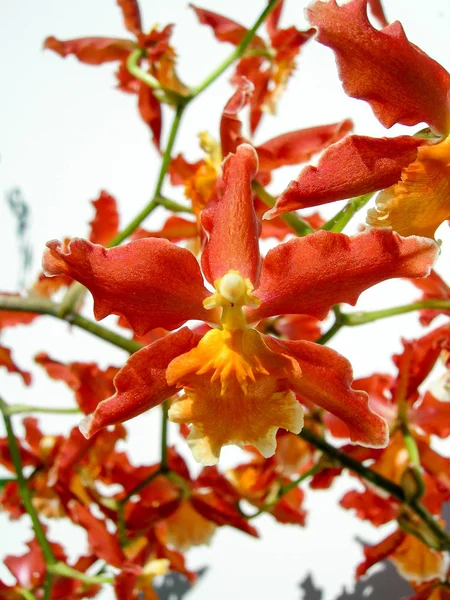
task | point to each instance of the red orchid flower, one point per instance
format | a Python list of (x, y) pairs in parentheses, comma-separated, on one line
[(158, 53), (239, 385), (402, 85)]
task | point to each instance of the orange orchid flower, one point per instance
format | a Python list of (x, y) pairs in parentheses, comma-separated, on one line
[(239, 385), (402, 85)]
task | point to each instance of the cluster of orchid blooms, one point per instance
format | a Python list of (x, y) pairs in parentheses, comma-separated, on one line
[(255, 372)]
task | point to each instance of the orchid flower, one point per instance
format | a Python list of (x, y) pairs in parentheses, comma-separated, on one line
[(239, 385), (402, 85)]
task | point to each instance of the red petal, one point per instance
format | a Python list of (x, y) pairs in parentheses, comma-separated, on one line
[(7, 361), (10, 318), (401, 83), (432, 287), (174, 229), (326, 379), (103, 543), (309, 275), (131, 15), (105, 224), (230, 124), (298, 146), (224, 29), (150, 111), (92, 50), (376, 8), (380, 551), (220, 511), (141, 384), (87, 380), (355, 166), (150, 282), (370, 506), (231, 223), (432, 416)]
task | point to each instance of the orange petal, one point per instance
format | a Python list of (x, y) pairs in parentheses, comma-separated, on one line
[(420, 202), (230, 396)]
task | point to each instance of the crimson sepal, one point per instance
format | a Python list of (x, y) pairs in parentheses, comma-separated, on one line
[(231, 223), (378, 552), (103, 543), (230, 124), (6, 361), (357, 165), (400, 82), (326, 379), (105, 224), (433, 287), (131, 15), (224, 29), (175, 229), (150, 282), (90, 383), (309, 275), (150, 111), (11, 318), (370, 506), (92, 50), (432, 416), (220, 510), (141, 384), (299, 146)]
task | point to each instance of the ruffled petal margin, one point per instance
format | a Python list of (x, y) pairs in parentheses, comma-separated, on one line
[(150, 282), (310, 275), (357, 165), (326, 379)]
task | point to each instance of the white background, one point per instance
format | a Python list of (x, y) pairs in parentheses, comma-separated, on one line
[(65, 133)]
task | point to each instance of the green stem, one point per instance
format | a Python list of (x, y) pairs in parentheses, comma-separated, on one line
[(26, 594), (360, 318), (382, 482), (172, 205), (136, 71), (293, 484), (238, 51), (15, 409), (47, 307), (411, 446), (140, 487), (340, 220), (25, 494), (48, 585), (64, 570), (298, 225), (164, 457), (155, 201), (338, 323), (350, 463)]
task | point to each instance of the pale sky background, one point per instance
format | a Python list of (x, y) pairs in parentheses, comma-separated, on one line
[(66, 133)]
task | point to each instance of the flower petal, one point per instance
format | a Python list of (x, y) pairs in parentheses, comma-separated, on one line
[(401, 83), (105, 224), (298, 146), (92, 50), (231, 223), (131, 15), (326, 379), (150, 111), (353, 167), (230, 124), (151, 282), (236, 393), (420, 202), (309, 275), (141, 384), (224, 29)]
